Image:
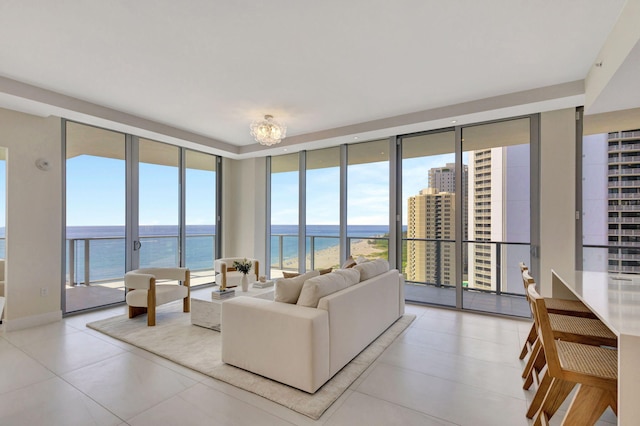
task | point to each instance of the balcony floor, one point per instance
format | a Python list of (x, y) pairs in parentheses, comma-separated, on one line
[(81, 297), (472, 300)]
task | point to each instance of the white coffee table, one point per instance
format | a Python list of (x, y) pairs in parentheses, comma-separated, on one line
[(205, 312)]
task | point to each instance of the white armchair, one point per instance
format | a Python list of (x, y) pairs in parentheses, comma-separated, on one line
[(144, 294), (228, 276)]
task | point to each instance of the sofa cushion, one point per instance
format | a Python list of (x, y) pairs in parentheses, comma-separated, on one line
[(371, 269), (351, 276), (287, 290), (316, 288)]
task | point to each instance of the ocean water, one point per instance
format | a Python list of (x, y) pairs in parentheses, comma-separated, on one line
[(106, 246), (159, 249)]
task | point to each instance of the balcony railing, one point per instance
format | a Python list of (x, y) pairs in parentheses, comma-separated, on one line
[(102, 259), (502, 257), (322, 251), (597, 257)]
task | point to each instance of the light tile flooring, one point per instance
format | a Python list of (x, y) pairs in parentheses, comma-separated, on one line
[(447, 368)]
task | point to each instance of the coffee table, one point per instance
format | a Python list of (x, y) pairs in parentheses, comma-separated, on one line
[(205, 312)]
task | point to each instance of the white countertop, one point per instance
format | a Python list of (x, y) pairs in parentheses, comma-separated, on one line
[(614, 298)]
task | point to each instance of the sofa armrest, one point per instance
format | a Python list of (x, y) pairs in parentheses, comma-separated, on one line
[(284, 342)]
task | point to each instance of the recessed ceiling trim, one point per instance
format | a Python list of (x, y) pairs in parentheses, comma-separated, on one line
[(572, 92), (58, 100)]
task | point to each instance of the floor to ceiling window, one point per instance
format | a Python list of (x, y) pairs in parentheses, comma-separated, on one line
[(95, 212), (123, 214), (429, 217), (200, 215), (497, 195), (610, 193), (285, 183), (323, 208), (368, 199), (159, 203), (462, 211)]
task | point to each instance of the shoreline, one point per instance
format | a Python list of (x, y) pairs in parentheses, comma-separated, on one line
[(330, 256)]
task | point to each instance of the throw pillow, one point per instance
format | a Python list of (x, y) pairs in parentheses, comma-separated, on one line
[(287, 290), (371, 269), (361, 259), (325, 271), (316, 288), (351, 275), (290, 274), (349, 263)]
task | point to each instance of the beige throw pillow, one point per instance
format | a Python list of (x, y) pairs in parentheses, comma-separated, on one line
[(316, 288), (351, 276), (349, 263), (287, 290), (371, 269)]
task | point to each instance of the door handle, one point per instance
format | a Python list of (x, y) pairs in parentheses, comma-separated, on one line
[(137, 245)]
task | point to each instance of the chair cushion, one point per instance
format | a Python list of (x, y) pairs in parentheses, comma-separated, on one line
[(287, 290), (164, 293)]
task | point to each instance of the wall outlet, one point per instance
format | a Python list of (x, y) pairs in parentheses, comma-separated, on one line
[(44, 292)]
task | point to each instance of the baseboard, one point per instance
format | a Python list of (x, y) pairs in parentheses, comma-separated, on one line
[(31, 321)]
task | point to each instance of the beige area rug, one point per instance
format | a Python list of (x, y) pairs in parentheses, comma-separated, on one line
[(175, 338)]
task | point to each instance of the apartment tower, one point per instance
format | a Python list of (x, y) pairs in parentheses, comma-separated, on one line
[(624, 201)]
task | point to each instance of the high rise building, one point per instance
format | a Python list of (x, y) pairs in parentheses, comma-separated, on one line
[(443, 179), (624, 201), (480, 272), (431, 216)]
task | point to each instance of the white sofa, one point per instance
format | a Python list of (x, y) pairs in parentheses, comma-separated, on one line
[(304, 346)]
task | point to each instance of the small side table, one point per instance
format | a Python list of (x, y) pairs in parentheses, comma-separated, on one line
[(206, 312)]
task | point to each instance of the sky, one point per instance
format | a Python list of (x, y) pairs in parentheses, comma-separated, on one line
[(96, 193), (367, 189)]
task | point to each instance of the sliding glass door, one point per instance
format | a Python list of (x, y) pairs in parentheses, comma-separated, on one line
[(127, 207), (497, 193), (96, 215), (285, 184), (429, 217), (159, 204), (200, 215)]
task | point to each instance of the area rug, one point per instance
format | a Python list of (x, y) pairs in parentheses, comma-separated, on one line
[(175, 338)]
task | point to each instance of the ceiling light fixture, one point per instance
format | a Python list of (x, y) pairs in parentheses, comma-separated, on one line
[(268, 131)]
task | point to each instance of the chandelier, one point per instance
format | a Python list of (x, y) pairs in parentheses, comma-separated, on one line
[(268, 131)]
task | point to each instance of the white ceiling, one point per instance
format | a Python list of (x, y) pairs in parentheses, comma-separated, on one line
[(325, 68)]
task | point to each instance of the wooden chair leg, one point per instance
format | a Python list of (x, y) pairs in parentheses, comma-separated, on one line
[(134, 311), (541, 393), (186, 304), (151, 315), (587, 406), (530, 339), (556, 395), (534, 359)]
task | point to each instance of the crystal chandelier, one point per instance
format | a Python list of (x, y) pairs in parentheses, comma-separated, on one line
[(268, 132)]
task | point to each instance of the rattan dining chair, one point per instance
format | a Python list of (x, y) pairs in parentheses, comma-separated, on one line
[(593, 368)]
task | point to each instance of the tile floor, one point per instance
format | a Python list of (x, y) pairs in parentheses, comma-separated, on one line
[(448, 368)]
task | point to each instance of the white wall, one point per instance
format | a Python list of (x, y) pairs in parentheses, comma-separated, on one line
[(243, 217), (557, 196), (34, 219)]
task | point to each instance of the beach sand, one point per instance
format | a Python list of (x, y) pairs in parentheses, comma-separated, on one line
[(330, 257)]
